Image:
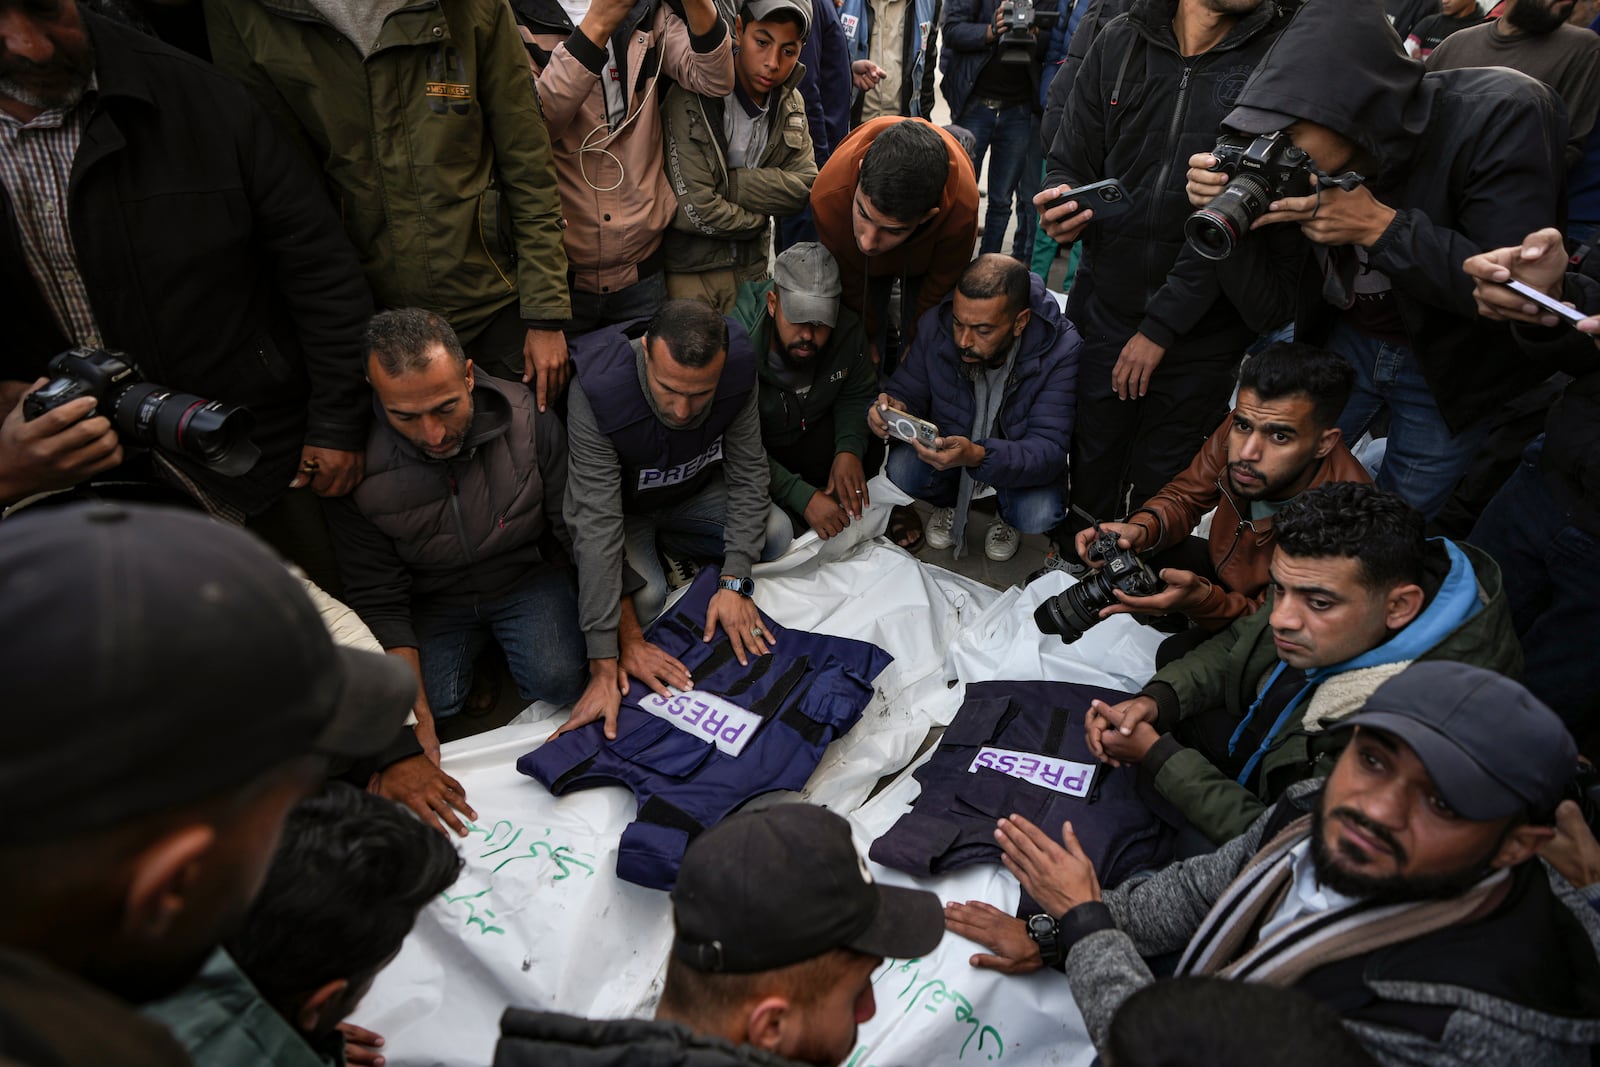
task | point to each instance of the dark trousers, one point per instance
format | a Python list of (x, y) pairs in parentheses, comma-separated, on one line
[(1145, 442), (590, 311), (1547, 567), (1191, 554)]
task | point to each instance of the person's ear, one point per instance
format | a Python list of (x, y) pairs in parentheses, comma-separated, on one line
[(1404, 603), (308, 1016), (772, 302), (469, 373), (932, 211), (1327, 441), (165, 877), (1521, 844), (1022, 322), (768, 1022)]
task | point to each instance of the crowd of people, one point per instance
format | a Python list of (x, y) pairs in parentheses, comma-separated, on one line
[(498, 320)]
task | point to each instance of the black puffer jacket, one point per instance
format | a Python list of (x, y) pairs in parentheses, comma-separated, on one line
[(1138, 110), (1571, 457), (1471, 160), (545, 1039)]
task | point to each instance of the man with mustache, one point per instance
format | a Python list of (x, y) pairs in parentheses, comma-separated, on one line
[(1399, 892), (1280, 439), (993, 367), (816, 383), (1534, 37)]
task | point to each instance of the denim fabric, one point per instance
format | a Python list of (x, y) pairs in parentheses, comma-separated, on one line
[(1034, 510), (1424, 460), (591, 311), (693, 529), (1013, 133), (1548, 567), (535, 625)]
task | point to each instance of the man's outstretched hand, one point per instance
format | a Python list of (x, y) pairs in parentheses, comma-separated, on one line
[(1059, 877), (1003, 934), (425, 789)]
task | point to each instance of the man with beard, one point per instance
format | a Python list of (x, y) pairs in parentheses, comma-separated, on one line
[(778, 929), (1402, 894), (149, 206), (1533, 36), (1280, 440), (993, 367), (456, 537), (194, 697), (816, 384)]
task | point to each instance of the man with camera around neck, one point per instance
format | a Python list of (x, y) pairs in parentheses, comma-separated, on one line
[(1279, 441), (194, 240), (992, 367), (1161, 342), (1423, 170)]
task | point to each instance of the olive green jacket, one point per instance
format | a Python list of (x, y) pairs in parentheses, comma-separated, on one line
[(1230, 670), (433, 147), (724, 215)]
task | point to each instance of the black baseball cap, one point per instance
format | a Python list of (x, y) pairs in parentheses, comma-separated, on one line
[(1258, 120), (1491, 747), (153, 657), (765, 889)]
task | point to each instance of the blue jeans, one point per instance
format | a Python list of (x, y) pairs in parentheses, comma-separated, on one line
[(1424, 460), (1547, 567), (1033, 510), (692, 528), (535, 625), (1013, 132)]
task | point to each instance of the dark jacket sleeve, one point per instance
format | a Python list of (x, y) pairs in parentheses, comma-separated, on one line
[(1184, 298), (318, 275), (826, 82), (377, 585), (1262, 276), (550, 443), (966, 27), (1039, 456), (1198, 681), (1078, 151)]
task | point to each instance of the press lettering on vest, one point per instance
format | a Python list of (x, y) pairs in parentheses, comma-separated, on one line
[(710, 718), (660, 478), (1063, 776)]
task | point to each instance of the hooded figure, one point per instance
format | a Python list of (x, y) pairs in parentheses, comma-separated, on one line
[(1454, 163)]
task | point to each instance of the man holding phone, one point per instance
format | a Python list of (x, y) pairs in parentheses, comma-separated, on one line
[(993, 370), (1145, 303)]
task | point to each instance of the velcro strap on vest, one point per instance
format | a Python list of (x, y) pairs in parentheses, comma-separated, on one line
[(1060, 719)]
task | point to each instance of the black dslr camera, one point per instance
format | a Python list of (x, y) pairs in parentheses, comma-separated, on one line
[(1018, 44), (1262, 169), (1073, 612), (149, 416)]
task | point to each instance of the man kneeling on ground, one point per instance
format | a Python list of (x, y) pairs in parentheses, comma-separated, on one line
[(778, 929)]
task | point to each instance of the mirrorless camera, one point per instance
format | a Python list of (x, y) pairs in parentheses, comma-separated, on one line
[(1019, 44), (148, 415), (1073, 612), (1262, 169)]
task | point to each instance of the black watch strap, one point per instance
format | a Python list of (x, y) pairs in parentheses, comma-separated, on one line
[(1046, 933)]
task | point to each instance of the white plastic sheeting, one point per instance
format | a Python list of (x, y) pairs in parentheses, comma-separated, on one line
[(539, 918)]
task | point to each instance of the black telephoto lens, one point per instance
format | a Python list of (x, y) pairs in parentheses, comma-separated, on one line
[(208, 431)]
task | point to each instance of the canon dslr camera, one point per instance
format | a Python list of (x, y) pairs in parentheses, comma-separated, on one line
[(149, 416), (1262, 169), (1073, 612)]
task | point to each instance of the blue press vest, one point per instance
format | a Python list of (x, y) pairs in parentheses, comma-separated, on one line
[(952, 823), (856, 17), (809, 691), (660, 465)]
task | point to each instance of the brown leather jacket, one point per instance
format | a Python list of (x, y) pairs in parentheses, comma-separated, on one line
[(1241, 548)]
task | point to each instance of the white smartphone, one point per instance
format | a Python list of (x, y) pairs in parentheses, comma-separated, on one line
[(1571, 314)]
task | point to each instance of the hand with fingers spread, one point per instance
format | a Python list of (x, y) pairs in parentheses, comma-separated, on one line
[(644, 660), (1011, 950), (601, 699), (739, 619), (361, 1046), (425, 789), (1059, 877)]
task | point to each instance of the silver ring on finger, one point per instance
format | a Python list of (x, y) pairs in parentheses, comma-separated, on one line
[(757, 632)]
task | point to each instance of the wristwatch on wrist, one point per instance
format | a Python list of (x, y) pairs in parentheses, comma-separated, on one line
[(1046, 933), (743, 586)]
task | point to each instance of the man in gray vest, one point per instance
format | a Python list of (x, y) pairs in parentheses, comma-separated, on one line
[(666, 452), (456, 537)]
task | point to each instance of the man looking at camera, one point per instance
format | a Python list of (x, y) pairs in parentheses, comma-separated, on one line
[(1279, 440), (1400, 892), (816, 383), (992, 368), (1373, 271)]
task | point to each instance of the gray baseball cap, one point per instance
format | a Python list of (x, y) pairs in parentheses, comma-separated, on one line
[(1490, 746), (762, 10), (808, 284)]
